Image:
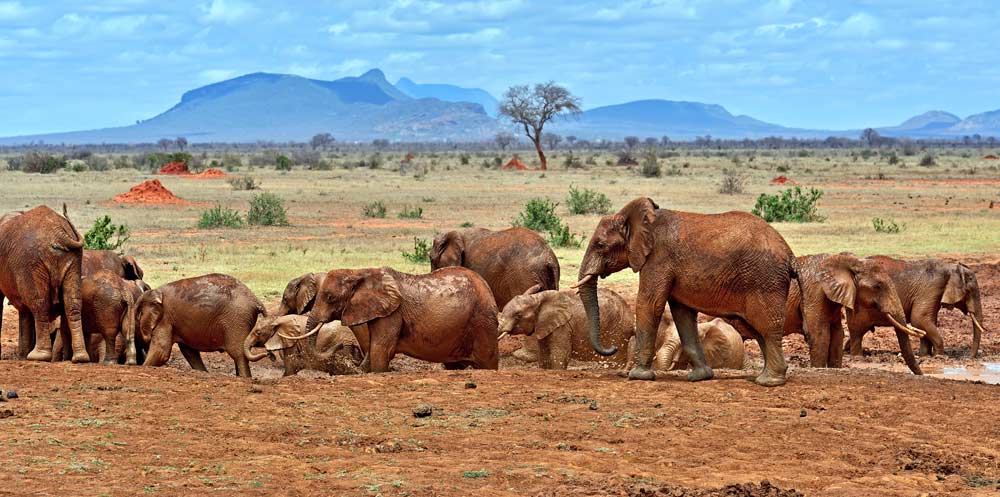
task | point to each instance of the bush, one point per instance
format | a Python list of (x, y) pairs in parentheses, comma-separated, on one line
[(282, 163), (122, 162), (411, 212), (732, 182), (421, 252), (310, 158), (927, 160), (37, 162), (572, 162), (220, 217), (100, 236), (587, 201), (374, 209), (463, 159), (790, 205), (887, 226), (267, 209), (539, 214), (243, 183), (650, 165), (561, 237)]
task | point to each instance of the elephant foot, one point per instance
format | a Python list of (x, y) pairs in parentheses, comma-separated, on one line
[(768, 380), (80, 357), (522, 354), (640, 373), (701, 374), (39, 355)]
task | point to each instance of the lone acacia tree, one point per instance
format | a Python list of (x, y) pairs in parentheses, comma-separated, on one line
[(533, 107)]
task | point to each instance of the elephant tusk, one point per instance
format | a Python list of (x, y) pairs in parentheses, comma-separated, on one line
[(307, 335), (908, 329), (977, 323), (502, 336), (582, 282)]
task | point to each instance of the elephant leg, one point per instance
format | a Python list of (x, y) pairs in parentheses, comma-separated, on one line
[(931, 343), (651, 301), (43, 341), (836, 356), (110, 351), (545, 354), (528, 351), (857, 337), (686, 321), (161, 344), (26, 334), (384, 334), (768, 321), (907, 350), (193, 357), (1, 323)]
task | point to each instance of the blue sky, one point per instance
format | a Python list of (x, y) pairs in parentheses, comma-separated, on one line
[(67, 65)]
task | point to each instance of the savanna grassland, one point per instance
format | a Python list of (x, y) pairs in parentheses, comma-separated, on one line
[(869, 429)]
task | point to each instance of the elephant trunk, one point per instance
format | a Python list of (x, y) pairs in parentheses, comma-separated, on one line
[(248, 344), (128, 330), (588, 295), (666, 357)]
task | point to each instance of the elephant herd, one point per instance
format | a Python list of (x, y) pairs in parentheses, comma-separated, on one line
[(483, 286)]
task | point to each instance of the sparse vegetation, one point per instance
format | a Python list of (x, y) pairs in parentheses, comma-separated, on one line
[(105, 235), (587, 201), (282, 163), (411, 212), (887, 225), (650, 164), (539, 214), (220, 217), (267, 209), (732, 182), (37, 162), (374, 209), (421, 251), (791, 206), (927, 160), (243, 183)]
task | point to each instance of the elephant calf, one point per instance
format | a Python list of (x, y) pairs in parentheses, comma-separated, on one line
[(334, 349), (558, 321), (211, 313), (722, 344), (109, 313)]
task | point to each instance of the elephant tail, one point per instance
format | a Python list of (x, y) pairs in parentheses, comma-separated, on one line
[(551, 276)]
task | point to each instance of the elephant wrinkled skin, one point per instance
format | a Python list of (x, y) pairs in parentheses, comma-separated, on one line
[(211, 313), (333, 350), (300, 294), (723, 347), (447, 316), (733, 265), (107, 260)]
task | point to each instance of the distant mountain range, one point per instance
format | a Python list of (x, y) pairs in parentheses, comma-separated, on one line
[(282, 107)]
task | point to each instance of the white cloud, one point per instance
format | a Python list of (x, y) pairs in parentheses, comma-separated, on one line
[(338, 29), (227, 11), (861, 24), (404, 57), (215, 75), (12, 10)]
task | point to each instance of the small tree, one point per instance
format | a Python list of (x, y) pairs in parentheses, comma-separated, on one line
[(321, 140), (181, 142), (165, 143), (870, 138), (551, 140), (380, 143), (504, 139), (532, 108), (631, 142), (100, 236), (282, 163)]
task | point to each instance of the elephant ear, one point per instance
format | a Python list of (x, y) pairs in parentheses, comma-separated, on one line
[(553, 315), (837, 280), (289, 327), (638, 216), (305, 293), (957, 286), (131, 268), (448, 250), (375, 296)]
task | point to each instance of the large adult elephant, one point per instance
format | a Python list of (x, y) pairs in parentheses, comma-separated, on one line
[(40, 274), (511, 261), (924, 287), (731, 265), (211, 313), (827, 284), (446, 316), (125, 266)]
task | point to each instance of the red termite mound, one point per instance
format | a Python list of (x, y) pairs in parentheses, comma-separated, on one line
[(175, 168), (210, 174), (148, 192), (515, 164)]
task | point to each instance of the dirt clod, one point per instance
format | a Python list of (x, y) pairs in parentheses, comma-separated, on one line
[(6, 413), (423, 411), (11, 394), (762, 489), (470, 384)]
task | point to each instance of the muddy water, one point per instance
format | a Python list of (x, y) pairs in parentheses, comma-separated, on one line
[(987, 372)]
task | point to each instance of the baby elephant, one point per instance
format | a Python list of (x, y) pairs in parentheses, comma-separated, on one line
[(723, 347), (109, 312), (211, 313), (333, 349), (557, 319)]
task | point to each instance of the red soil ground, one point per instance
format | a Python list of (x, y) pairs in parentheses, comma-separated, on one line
[(148, 192)]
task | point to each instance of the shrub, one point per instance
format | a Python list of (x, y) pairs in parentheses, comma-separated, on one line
[(220, 217), (561, 237), (464, 159), (267, 209), (539, 214), (232, 162), (732, 182), (466, 224), (587, 201), (37, 162), (887, 226), (572, 162), (100, 236), (650, 165), (282, 163), (374, 209), (242, 183), (927, 160), (97, 163), (421, 251), (790, 205), (122, 162), (411, 212)]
